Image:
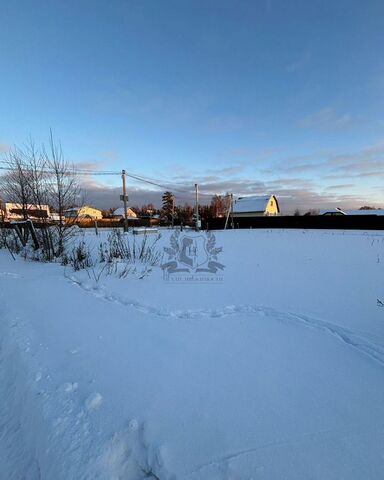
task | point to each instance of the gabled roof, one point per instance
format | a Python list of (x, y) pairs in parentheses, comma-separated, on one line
[(77, 209), (119, 212), (251, 204), (333, 211), (28, 207)]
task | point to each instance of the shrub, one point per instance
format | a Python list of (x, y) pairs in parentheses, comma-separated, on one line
[(78, 258), (119, 247)]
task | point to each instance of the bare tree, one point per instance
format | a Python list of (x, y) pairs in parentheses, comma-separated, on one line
[(2, 212), (220, 205), (15, 183), (63, 187), (37, 179)]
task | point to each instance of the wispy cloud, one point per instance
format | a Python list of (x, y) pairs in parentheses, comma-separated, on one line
[(368, 161), (90, 165), (330, 165), (299, 163), (299, 63), (108, 197), (228, 171), (170, 108), (341, 186), (304, 167), (293, 193), (296, 180), (327, 119)]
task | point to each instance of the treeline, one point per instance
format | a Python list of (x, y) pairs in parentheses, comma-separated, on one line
[(179, 214)]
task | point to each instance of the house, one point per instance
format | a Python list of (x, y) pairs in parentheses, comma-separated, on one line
[(84, 212), (119, 213), (332, 212), (377, 212), (150, 220), (338, 211), (255, 206), (16, 211)]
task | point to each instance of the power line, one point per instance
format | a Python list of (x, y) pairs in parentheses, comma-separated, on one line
[(185, 194), (70, 171), (75, 172), (84, 171)]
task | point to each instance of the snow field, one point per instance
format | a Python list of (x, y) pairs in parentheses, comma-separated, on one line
[(274, 372)]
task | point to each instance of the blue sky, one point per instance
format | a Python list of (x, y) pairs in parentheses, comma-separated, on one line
[(270, 96)]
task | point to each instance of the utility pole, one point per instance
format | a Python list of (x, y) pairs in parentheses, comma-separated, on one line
[(232, 224), (196, 207), (227, 216), (125, 198)]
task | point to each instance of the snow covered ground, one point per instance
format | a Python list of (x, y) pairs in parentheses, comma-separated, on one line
[(274, 371)]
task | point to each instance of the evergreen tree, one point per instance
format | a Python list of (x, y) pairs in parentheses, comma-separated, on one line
[(168, 204)]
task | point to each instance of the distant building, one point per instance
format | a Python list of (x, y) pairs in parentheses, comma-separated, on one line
[(84, 212), (338, 211), (255, 206), (16, 211), (365, 212), (119, 213), (332, 212)]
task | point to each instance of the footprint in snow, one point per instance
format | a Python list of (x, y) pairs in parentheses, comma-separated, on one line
[(70, 387), (133, 425), (93, 402)]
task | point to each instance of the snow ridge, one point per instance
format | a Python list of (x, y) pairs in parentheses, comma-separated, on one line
[(356, 340)]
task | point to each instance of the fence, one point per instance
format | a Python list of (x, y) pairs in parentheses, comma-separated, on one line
[(328, 222)]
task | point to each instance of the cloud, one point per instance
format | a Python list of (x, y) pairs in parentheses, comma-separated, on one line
[(371, 174), (369, 161), (327, 119), (91, 165), (297, 183), (304, 167), (292, 193), (363, 167), (340, 186), (232, 170), (109, 197), (366, 162), (299, 63), (168, 108), (335, 168), (295, 180)]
